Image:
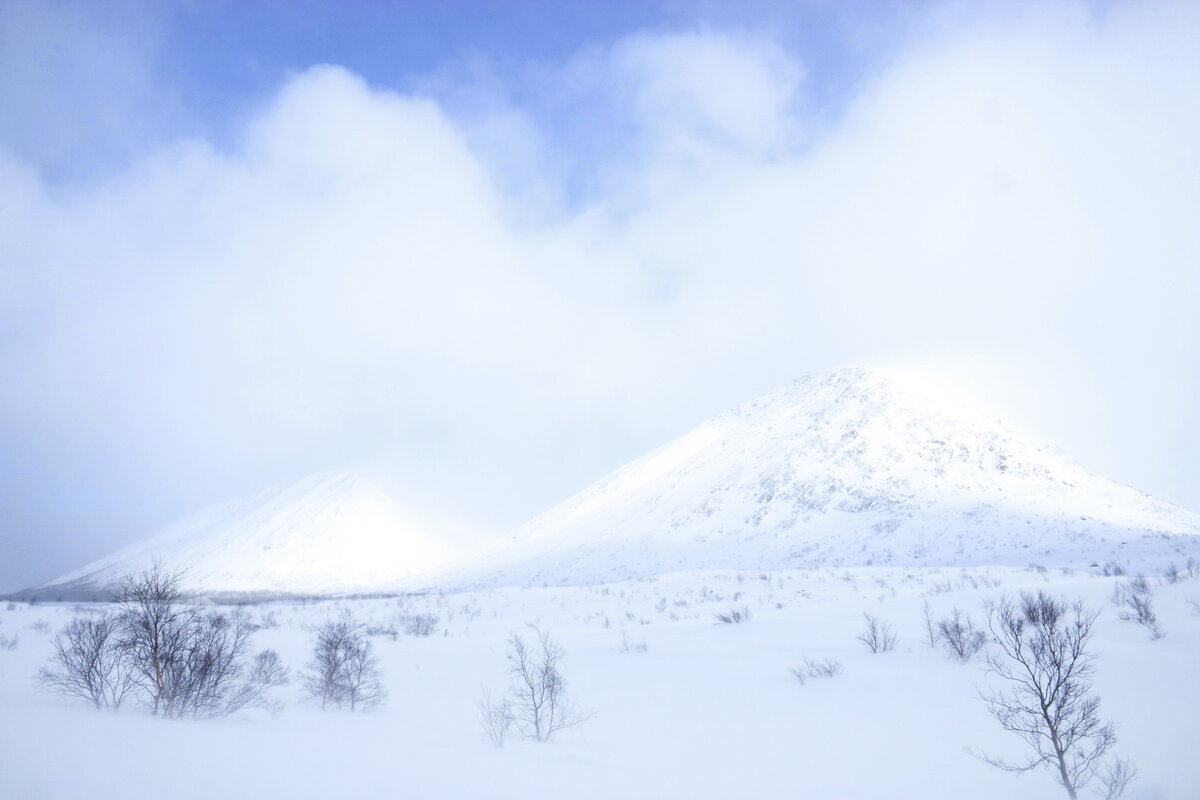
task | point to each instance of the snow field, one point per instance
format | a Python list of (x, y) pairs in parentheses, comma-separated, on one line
[(708, 710)]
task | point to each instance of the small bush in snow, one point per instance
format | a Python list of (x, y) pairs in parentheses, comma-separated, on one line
[(381, 630), (344, 670), (1115, 779), (816, 669), (420, 624), (495, 716), (88, 663), (931, 632), (879, 637), (629, 645), (735, 616), (1134, 598), (186, 663), (171, 658), (960, 636), (537, 690)]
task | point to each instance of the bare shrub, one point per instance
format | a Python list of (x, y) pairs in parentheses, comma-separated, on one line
[(930, 628), (343, 670), (203, 680), (185, 663), (362, 686), (960, 636), (816, 669), (1043, 658), (537, 689), (87, 663), (735, 616), (420, 624), (1171, 573), (1135, 599), (266, 672), (175, 660), (382, 630), (629, 645), (879, 637), (1115, 779), (495, 716), (154, 631)]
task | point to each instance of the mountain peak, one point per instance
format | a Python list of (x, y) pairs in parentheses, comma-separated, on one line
[(324, 533), (855, 466)]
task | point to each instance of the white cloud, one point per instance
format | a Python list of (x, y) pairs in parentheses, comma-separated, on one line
[(351, 284)]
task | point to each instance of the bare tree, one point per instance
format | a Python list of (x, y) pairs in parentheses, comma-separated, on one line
[(187, 663), (87, 663), (1044, 660), (362, 686), (344, 669), (537, 698), (266, 672), (202, 680), (154, 630), (330, 652), (930, 628), (879, 637), (495, 716), (1115, 779), (960, 635), (213, 678)]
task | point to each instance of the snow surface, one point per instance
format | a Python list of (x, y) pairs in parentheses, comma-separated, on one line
[(853, 467), (327, 533), (707, 711)]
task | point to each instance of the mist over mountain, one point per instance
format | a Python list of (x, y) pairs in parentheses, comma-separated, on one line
[(856, 467), (332, 532)]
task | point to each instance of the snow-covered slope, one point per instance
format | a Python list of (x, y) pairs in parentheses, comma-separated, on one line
[(850, 467), (327, 533)]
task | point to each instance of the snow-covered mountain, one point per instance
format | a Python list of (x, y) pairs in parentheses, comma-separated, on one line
[(327, 533), (853, 467)]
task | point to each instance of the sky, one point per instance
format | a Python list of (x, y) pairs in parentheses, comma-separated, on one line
[(487, 252)]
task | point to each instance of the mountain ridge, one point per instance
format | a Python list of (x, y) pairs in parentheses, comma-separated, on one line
[(330, 532), (857, 466)]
